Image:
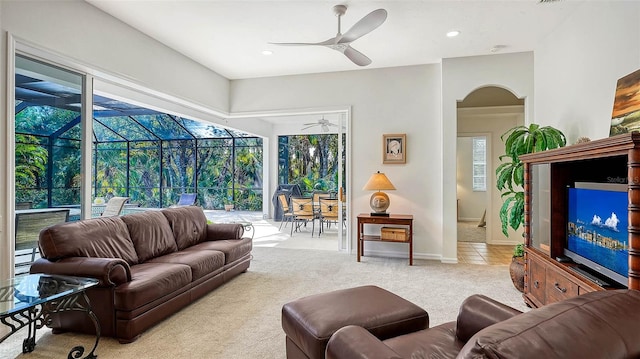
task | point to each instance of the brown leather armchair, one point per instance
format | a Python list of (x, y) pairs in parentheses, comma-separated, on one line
[(594, 325)]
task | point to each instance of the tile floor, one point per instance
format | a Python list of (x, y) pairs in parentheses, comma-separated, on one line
[(482, 253)]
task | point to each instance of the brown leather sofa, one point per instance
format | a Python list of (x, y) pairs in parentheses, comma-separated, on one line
[(149, 264), (602, 324)]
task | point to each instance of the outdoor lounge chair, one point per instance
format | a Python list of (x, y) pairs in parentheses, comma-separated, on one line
[(187, 199), (114, 206)]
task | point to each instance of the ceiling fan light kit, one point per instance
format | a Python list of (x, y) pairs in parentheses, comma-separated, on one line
[(342, 42), (324, 125)]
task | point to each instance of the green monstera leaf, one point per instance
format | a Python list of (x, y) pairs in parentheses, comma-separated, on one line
[(518, 141)]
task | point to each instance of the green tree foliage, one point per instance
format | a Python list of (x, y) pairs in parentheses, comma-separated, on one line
[(311, 162), (223, 174), (37, 127), (31, 162)]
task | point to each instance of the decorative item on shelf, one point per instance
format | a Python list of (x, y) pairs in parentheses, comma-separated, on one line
[(516, 268), (518, 141), (582, 140), (379, 200), (394, 148)]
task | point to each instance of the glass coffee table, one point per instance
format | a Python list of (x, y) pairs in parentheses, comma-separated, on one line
[(29, 301)]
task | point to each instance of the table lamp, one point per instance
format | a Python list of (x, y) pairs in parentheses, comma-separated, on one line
[(379, 200)]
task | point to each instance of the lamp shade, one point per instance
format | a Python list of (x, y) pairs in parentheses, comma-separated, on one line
[(379, 200), (378, 182)]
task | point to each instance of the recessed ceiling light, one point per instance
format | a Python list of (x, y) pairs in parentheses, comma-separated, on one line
[(267, 52), (453, 33)]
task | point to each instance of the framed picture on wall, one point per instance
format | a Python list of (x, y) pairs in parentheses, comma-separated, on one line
[(626, 105), (394, 148)]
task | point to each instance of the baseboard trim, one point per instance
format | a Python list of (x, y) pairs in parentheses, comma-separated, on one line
[(403, 254), (503, 243), (449, 260), (462, 219)]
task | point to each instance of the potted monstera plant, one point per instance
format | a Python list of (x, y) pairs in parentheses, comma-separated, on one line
[(518, 141)]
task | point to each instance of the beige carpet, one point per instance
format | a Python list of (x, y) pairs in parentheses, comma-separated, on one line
[(468, 231), (241, 319)]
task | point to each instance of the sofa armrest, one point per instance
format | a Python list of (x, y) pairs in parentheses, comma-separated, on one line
[(478, 312), (109, 271), (353, 342), (217, 231)]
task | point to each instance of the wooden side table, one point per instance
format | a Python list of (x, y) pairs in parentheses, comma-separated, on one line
[(392, 219)]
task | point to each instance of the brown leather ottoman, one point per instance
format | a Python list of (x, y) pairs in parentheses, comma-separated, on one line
[(309, 322)]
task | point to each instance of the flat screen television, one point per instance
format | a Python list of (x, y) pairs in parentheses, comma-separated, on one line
[(597, 229)]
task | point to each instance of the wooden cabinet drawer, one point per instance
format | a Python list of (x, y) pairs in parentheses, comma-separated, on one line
[(536, 279), (558, 286)]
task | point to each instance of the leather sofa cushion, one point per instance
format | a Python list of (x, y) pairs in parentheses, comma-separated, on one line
[(151, 234), (149, 282), (202, 263), (600, 325), (188, 224), (106, 237), (437, 342), (233, 249)]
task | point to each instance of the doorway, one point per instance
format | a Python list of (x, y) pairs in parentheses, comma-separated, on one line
[(485, 112), (310, 150)]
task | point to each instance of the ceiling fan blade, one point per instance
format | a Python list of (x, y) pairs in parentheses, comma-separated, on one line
[(356, 56), (331, 41), (367, 24), (308, 127)]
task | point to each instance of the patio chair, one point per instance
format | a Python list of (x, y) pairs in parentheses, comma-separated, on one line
[(187, 199), (28, 226), (329, 210), (24, 205), (287, 215), (114, 206), (302, 209)]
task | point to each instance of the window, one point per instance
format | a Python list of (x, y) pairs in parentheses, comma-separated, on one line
[(310, 161), (479, 148)]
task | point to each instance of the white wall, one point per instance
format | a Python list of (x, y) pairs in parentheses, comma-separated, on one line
[(83, 33), (392, 100), (578, 65), (461, 76)]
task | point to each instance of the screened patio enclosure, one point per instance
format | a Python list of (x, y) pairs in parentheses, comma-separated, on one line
[(149, 156)]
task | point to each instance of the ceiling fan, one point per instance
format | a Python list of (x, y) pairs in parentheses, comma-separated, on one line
[(342, 42), (324, 125)]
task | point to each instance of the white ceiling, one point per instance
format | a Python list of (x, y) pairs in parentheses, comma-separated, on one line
[(229, 36)]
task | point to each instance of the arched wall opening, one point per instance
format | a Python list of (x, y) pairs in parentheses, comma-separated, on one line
[(482, 117)]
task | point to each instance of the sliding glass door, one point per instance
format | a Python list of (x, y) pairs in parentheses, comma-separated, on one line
[(48, 152)]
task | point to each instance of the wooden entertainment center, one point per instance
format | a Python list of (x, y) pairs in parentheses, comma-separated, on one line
[(547, 175)]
